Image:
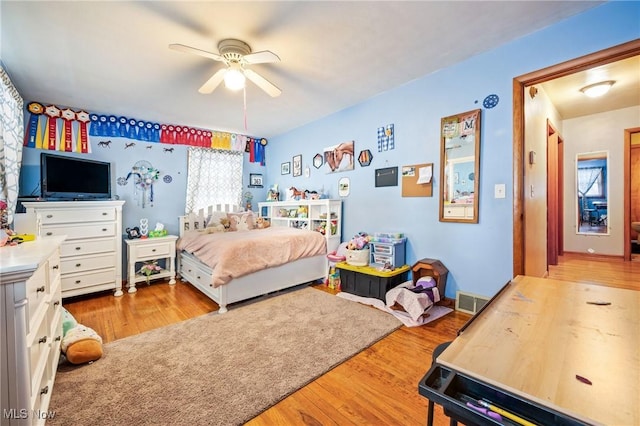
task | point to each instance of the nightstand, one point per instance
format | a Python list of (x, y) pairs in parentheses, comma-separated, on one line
[(144, 250)]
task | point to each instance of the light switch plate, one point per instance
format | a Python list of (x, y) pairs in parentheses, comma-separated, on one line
[(500, 190)]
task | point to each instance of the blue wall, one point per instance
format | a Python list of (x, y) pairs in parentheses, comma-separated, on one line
[(478, 256)]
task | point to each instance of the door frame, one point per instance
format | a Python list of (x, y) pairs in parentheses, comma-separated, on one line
[(627, 190), (612, 54)]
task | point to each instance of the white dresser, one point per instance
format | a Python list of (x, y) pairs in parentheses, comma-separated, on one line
[(30, 329), (91, 256)]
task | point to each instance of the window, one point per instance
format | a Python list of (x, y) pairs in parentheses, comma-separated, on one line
[(214, 177), (591, 182)]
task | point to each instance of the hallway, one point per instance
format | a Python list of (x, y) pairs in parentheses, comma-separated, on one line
[(609, 271)]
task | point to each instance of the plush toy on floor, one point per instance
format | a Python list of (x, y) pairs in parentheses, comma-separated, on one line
[(80, 344)]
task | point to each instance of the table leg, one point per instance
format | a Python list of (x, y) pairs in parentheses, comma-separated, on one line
[(131, 283)]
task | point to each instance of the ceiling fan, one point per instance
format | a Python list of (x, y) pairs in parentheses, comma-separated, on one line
[(236, 55)]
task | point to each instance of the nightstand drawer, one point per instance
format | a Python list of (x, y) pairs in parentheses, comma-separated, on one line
[(74, 216), (82, 231), (154, 250), (88, 263), (80, 247)]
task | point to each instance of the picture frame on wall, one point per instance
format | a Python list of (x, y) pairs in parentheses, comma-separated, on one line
[(255, 180), (297, 165), (285, 168)]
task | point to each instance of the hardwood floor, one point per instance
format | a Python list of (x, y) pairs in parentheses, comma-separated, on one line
[(377, 386)]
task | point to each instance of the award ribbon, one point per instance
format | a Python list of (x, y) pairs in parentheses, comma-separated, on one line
[(68, 116), (33, 131), (52, 113), (83, 139)]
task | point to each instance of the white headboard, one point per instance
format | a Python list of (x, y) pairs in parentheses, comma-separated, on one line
[(198, 220)]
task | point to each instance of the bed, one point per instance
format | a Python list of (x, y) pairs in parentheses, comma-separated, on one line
[(239, 280)]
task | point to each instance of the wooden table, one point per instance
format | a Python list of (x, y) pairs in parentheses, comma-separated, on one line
[(530, 343)]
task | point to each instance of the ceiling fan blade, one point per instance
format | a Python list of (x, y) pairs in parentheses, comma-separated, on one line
[(262, 83), (210, 85), (189, 49), (263, 57)]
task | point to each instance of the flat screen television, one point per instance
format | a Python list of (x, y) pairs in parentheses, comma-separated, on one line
[(71, 178)]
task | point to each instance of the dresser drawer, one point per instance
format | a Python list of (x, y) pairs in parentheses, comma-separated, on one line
[(88, 263), (81, 231), (37, 292), (76, 281), (80, 247), (105, 214), (155, 250), (39, 349)]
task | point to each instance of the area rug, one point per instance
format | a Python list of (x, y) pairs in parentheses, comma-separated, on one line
[(218, 369)]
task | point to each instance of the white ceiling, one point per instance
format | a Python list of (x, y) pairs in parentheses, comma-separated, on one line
[(113, 57)]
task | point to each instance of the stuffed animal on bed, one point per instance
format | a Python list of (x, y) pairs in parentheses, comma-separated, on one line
[(262, 223), (80, 344)]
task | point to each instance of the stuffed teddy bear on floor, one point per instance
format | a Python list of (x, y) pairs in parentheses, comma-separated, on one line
[(80, 344)]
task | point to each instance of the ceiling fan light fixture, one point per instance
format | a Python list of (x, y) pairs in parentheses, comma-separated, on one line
[(597, 89), (234, 78)]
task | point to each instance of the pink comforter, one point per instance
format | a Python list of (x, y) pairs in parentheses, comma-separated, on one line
[(234, 254)]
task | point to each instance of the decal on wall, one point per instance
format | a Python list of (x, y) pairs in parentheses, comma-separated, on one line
[(490, 101), (386, 139), (365, 158), (129, 145), (167, 179)]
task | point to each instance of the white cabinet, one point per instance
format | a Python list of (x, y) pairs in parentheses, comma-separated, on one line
[(91, 255), (147, 250), (31, 332), (324, 216), (458, 211)]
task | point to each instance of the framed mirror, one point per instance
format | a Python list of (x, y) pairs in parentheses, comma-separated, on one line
[(460, 167), (592, 192)]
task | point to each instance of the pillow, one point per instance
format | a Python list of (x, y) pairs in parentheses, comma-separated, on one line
[(214, 219), (241, 221)]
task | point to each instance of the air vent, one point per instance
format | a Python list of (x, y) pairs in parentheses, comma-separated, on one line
[(469, 303)]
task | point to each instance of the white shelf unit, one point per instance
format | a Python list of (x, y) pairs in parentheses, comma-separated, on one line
[(91, 256), (320, 215)]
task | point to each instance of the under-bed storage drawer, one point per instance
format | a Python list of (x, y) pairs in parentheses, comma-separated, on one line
[(195, 272)]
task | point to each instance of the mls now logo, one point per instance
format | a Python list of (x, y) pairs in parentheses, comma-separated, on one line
[(15, 414)]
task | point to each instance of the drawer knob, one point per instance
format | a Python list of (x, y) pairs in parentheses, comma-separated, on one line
[(104, 213), (49, 234), (40, 289), (153, 250), (198, 277), (56, 267), (44, 390), (78, 248), (43, 339), (56, 303), (78, 281), (104, 229), (78, 265), (58, 338), (49, 216)]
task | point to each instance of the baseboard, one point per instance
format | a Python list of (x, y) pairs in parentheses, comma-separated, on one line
[(593, 255)]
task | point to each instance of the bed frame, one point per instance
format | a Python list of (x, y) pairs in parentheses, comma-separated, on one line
[(262, 282)]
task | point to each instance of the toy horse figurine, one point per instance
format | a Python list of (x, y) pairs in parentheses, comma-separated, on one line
[(296, 194)]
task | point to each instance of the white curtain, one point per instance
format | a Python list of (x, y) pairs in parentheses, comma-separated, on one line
[(11, 134), (214, 177)]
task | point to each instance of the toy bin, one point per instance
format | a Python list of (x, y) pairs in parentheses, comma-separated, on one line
[(366, 281)]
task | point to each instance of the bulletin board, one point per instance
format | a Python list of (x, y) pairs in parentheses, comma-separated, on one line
[(417, 180)]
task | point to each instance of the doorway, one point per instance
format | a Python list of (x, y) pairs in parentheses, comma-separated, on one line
[(603, 57)]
